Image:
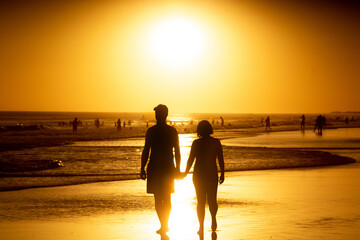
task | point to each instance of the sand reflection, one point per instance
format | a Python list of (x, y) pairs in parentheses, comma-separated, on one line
[(183, 221)]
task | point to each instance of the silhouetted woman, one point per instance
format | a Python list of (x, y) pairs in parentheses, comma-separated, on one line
[(206, 149)]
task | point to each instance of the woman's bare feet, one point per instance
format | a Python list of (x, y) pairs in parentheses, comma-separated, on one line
[(162, 231), (201, 230)]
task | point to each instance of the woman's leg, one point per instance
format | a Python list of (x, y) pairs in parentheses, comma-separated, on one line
[(213, 206), (201, 199)]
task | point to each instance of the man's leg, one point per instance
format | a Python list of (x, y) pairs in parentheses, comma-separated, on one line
[(163, 208), (158, 207)]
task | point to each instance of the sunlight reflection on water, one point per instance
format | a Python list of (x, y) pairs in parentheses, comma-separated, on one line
[(331, 138)]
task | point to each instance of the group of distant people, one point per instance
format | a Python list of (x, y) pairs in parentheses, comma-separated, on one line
[(320, 123), (217, 122), (75, 123), (267, 123)]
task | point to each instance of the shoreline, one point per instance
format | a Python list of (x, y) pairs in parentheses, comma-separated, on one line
[(49, 137), (252, 159), (301, 159), (303, 168)]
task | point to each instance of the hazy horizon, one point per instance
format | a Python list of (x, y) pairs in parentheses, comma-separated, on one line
[(172, 112)]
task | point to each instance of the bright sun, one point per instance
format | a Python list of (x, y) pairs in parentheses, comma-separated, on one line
[(177, 42)]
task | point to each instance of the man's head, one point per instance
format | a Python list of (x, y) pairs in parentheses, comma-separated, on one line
[(161, 112)]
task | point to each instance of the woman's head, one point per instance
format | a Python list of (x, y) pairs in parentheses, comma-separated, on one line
[(204, 129)]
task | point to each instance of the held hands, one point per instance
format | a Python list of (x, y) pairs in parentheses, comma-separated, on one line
[(183, 175), (222, 178), (142, 174), (180, 175)]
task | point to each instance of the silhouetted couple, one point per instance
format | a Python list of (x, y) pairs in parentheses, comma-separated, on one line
[(320, 123), (161, 141)]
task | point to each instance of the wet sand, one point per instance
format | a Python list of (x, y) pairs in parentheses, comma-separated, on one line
[(274, 204)]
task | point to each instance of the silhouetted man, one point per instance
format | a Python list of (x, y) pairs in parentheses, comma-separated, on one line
[(302, 125), (161, 139)]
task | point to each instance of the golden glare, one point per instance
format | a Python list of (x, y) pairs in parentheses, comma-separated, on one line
[(183, 219), (177, 42)]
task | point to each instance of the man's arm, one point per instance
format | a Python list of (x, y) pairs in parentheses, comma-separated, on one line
[(145, 156), (221, 164), (177, 154)]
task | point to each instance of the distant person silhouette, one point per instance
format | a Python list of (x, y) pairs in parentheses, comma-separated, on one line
[(222, 121), (346, 120), (118, 125), (205, 150), (97, 123), (302, 125), (267, 123), (161, 140), (323, 121), (75, 125)]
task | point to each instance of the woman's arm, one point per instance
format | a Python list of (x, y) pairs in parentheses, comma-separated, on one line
[(191, 158)]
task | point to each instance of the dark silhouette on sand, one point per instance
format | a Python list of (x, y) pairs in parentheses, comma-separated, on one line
[(97, 123), (267, 123), (222, 121), (205, 150), (75, 124), (161, 140), (319, 124), (302, 125), (118, 124)]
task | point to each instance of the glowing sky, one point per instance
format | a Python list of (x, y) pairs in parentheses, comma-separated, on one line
[(194, 56)]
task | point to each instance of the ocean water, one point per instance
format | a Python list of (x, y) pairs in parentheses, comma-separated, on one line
[(107, 160), (51, 119)]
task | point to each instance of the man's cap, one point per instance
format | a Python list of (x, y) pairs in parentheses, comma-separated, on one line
[(161, 108)]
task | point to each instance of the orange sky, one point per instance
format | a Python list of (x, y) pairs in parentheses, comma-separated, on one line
[(194, 56)]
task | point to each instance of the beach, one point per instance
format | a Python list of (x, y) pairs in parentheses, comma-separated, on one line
[(98, 96), (274, 204), (279, 185)]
